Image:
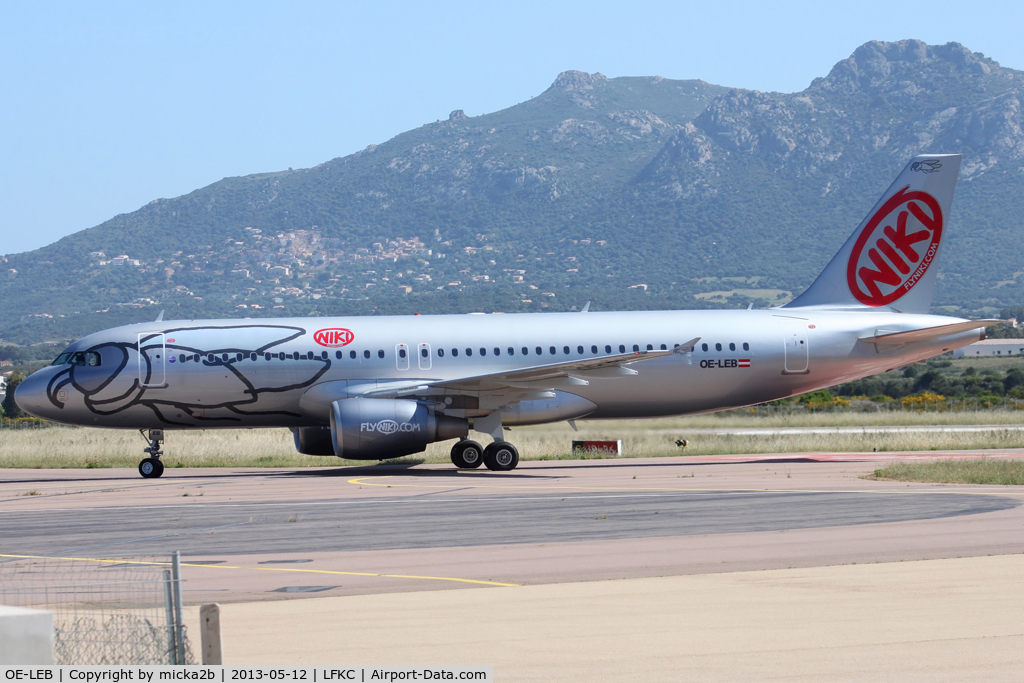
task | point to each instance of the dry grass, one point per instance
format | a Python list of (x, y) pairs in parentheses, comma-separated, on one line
[(975, 471), (61, 447)]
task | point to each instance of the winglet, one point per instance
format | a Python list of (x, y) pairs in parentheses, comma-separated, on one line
[(586, 308), (160, 317)]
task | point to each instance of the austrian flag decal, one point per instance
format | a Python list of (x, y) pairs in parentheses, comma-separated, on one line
[(744, 362), (895, 249)]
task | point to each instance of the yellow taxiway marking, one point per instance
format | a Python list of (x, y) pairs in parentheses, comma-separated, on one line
[(361, 481), (270, 569)]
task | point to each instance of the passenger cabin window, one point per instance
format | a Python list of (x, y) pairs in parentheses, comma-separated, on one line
[(440, 353), (551, 349), (703, 347), (424, 353), (593, 349), (469, 352), (565, 350), (607, 348), (746, 346), (622, 348), (718, 347), (483, 351), (401, 353), (636, 348), (380, 353), (539, 351), (511, 351), (366, 354), (650, 347), (455, 352), (732, 346), (352, 355)]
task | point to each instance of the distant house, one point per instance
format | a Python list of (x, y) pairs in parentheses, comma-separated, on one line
[(992, 347), (5, 363)]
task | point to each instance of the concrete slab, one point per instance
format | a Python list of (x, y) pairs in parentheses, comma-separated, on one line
[(937, 620)]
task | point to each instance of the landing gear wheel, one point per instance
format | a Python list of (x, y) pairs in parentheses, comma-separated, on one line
[(151, 468), (467, 454), (501, 456)]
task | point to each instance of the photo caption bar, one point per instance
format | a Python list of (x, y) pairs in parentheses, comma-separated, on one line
[(232, 674)]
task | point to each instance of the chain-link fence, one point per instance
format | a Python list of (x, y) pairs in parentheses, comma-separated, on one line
[(116, 611)]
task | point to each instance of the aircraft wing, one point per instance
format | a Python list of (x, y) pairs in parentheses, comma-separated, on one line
[(567, 373), (926, 333)]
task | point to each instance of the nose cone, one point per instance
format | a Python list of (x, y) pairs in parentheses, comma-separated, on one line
[(31, 397)]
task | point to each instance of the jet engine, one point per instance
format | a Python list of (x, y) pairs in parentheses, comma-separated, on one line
[(383, 428)]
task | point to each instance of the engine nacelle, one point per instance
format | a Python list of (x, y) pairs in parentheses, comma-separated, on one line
[(383, 428)]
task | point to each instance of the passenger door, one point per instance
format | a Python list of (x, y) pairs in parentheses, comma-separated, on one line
[(796, 360), (152, 355)]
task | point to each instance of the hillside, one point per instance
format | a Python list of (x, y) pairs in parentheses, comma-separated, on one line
[(631, 192)]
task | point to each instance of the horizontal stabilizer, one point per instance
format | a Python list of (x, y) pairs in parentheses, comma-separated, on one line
[(924, 334)]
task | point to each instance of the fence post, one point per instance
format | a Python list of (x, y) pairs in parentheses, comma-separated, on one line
[(209, 626), (179, 626), (172, 640)]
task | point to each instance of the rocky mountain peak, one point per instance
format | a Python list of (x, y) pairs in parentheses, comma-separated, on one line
[(457, 115), (877, 67), (569, 81)]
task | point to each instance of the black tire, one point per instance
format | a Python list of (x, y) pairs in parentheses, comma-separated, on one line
[(151, 468), (501, 456), (467, 455)]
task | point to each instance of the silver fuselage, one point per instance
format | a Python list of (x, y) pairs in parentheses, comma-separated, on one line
[(218, 374)]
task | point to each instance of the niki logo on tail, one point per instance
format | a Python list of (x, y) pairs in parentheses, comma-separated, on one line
[(888, 261)]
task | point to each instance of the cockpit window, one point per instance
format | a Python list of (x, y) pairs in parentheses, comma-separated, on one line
[(91, 359)]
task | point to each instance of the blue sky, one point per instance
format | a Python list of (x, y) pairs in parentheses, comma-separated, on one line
[(106, 106)]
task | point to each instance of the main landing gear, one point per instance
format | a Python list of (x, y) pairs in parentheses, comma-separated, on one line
[(151, 467), (500, 456)]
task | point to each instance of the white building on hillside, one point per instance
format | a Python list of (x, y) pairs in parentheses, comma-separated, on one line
[(992, 347)]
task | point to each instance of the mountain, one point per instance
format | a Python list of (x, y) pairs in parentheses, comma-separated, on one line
[(631, 192)]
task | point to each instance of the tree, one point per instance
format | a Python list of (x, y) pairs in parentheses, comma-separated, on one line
[(11, 409)]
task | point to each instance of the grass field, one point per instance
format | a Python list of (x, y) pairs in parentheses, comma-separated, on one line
[(61, 447), (978, 471)]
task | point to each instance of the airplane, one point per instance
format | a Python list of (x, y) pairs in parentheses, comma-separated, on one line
[(375, 388)]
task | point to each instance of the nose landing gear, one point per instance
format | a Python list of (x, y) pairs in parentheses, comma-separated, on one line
[(151, 467)]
